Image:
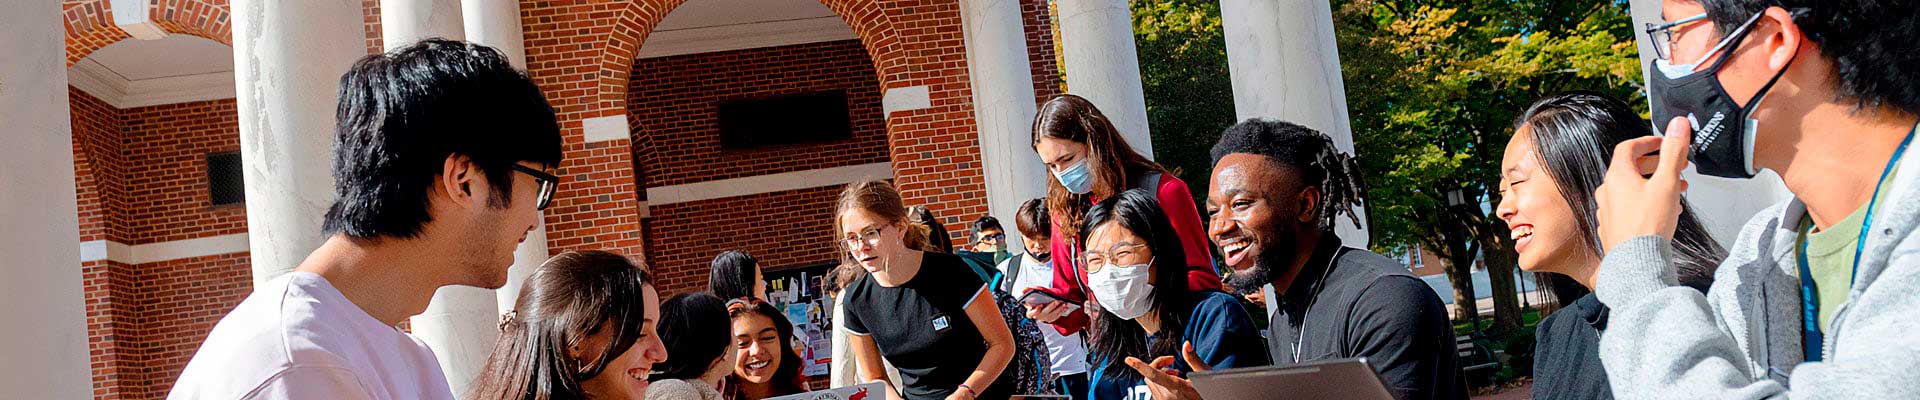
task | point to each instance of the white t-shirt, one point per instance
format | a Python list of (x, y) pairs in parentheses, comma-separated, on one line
[(296, 337), (1066, 352)]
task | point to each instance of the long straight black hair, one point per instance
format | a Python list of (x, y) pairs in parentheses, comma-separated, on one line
[(571, 297), (696, 330), (1114, 339), (733, 275), (1574, 134)]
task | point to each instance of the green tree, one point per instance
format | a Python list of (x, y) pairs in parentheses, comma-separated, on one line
[(1183, 71), (1433, 88)]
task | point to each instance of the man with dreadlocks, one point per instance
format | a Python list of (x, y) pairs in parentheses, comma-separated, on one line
[(1276, 190)]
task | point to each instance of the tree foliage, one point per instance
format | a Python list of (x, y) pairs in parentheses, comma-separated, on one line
[(1183, 69), (1433, 87)]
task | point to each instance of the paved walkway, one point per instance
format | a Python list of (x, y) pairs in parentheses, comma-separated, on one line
[(1517, 393)]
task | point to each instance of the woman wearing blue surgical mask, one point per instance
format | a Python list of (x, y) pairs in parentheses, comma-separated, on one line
[(1133, 266), (1089, 161)]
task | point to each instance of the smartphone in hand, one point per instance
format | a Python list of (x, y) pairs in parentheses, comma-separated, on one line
[(1040, 298)]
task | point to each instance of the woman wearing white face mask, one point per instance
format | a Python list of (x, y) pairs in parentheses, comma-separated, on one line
[(1090, 161), (1132, 259)]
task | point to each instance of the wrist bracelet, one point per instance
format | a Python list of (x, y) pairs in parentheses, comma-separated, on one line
[(970, 393)]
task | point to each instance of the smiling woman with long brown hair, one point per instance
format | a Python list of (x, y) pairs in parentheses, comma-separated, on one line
[(1090, 161), (582, 327)]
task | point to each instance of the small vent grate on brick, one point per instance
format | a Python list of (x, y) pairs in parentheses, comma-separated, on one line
[(223, 179)]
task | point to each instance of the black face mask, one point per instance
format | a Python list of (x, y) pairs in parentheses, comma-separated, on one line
[(1722, 133), (1043, 257)]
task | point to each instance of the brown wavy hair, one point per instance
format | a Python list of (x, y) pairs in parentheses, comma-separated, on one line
[(1113, 163), (879, 198), (571, 297)]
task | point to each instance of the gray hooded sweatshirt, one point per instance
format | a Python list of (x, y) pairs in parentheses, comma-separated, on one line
[(1741, 340)]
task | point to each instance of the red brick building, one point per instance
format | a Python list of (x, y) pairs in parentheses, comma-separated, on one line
[(163, 262)]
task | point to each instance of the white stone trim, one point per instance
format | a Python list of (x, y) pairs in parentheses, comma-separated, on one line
[(95, 79), (134, 17), (707, 39), (601, 129), (905, 99), (164, 251), (766, 183)]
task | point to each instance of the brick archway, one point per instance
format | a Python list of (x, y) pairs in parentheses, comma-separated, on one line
[(581, 53), (90, 23), (637, 19)]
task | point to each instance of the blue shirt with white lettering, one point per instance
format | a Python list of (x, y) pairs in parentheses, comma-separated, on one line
[(1222, 335)]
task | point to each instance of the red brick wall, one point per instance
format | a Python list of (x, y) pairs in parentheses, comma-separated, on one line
[(107, 286), (99, 165), (181, 301), (1046, 67), (936, 155), (167, 148), (673, 103), (141, 178), (567, 41), (113, 330), (374, 42), (781, 229), (90, 25)]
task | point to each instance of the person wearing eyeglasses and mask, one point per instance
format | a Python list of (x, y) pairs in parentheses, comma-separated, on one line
[(989, 238), (1817, 297), (1091, 161), (1134, 268)]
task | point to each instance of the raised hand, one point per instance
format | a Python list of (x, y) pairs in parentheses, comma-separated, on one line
[(1163, 381), (1639, 198)]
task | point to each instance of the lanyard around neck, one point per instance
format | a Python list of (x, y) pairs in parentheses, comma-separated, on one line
[(1300, 335), (1813, 339)]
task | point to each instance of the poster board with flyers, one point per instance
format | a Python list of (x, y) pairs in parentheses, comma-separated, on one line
[(798, 293)]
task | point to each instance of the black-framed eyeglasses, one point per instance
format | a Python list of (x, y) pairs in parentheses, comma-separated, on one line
[(548, 184), (1661, 35), (870, 236)]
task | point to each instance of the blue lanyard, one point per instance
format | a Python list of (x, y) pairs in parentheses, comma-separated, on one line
[(1813, 341)]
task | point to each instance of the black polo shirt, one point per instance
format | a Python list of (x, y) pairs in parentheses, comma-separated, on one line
[(1354, 303), (922, 326), (1566, 353)]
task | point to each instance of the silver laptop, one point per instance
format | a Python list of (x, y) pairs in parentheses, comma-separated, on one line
[(864, 391), (1342, 379)]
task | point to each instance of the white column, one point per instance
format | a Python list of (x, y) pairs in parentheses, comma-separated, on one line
[(462, 322), (45, 342), (1102, 64), (1003, 106), (1285, 65), (496, 23), (1732, 201), (404, 22), (288, 58)]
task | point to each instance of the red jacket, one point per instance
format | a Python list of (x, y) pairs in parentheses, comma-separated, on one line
[(1177, 203)]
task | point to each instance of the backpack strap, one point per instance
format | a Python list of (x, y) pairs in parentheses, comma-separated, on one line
[(1150, 182)]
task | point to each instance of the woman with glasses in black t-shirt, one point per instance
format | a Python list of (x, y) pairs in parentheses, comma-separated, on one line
[(928, 313)]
